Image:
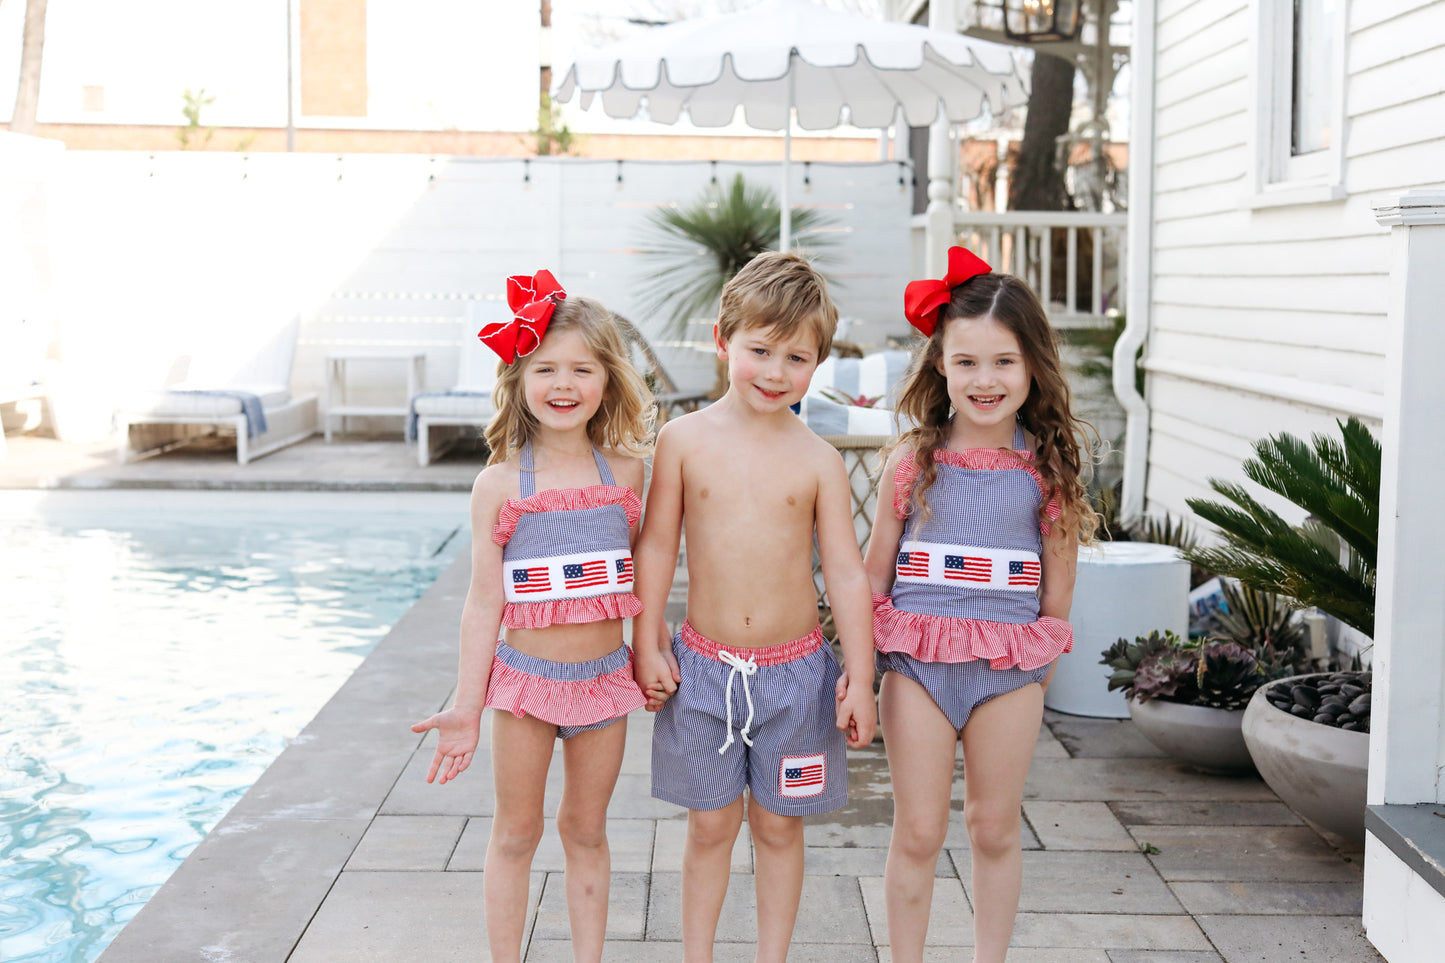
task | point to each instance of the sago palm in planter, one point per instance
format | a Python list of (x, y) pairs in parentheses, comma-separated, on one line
[(1307, 757)]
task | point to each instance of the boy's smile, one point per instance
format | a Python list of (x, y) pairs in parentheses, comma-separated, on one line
[(766, 373)]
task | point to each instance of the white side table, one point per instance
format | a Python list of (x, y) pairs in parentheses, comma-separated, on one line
[(335, 380)]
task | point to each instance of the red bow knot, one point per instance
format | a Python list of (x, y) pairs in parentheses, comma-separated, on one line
[(532, 300), (922, 300)]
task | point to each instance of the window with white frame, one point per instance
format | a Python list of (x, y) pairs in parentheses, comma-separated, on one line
[(1299, 105)]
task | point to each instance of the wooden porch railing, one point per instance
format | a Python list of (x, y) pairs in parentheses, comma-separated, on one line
[(1074, 260)]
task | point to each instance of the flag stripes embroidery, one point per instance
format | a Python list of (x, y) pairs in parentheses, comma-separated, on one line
[(969, 568), (1023, 573), (585, 574), (531, 579), (624, 571), (802, 776), (913, 563)]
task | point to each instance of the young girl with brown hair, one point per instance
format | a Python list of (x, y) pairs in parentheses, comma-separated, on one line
[(980, 514), (554, 516)]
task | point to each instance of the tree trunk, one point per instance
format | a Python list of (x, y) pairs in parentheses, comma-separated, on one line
[(1037, 183), (27, 98)]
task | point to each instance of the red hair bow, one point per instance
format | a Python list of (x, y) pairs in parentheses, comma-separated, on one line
[(532, 300), (922, 300)]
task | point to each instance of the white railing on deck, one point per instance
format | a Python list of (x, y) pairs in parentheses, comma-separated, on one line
[(1015, 242)]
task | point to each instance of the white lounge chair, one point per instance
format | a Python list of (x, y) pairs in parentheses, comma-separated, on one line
[(220, 386), (439, 419)]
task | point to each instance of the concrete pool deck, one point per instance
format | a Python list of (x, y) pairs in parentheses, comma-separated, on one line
[(342, 852)]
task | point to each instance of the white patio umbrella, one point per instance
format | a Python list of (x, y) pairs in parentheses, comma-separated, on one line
[(783, 56)]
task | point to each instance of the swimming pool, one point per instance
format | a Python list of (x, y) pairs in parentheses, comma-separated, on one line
[(157, 652)]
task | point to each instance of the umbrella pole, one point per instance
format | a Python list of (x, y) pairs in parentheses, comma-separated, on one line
[(785, 241)]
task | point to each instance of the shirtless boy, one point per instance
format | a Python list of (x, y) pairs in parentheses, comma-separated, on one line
[(748, 693)]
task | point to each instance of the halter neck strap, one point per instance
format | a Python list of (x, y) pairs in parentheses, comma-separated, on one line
[(1020, 442), (529, 473)]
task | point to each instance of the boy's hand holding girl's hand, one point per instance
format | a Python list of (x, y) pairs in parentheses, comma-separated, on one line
[(459, 730), (857, 711), (656, 673)]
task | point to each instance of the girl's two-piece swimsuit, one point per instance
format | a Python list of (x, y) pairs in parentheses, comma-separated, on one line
[(566, 559), (963, 620)]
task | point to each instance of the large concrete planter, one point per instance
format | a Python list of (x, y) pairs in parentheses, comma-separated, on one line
[(1123, 589), (1207, 739), (1319, 771)]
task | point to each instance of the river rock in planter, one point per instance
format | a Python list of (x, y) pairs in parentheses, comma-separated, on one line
[(1208, 739), (1318, 770)]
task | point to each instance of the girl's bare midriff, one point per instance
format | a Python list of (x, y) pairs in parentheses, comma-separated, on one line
[(568, 643)]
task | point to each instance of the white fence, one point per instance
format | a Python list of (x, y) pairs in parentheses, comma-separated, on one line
[(1074, 260), (156, 257)]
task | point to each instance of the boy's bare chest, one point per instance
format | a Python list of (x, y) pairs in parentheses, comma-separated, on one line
[(741, 483)]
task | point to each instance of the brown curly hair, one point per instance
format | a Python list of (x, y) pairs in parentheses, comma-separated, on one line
[(1062, 440), (623, 422)]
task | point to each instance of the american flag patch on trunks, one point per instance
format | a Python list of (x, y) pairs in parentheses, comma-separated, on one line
[(801, 776), (624, 571), (531, 579), (1023, 573), (585, 574), (913, 563), (970, 568)]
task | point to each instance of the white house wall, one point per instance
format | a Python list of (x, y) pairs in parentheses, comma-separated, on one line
[(1273, 318)]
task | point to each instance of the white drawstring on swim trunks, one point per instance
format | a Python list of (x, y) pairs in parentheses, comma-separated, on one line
[(746, 667)]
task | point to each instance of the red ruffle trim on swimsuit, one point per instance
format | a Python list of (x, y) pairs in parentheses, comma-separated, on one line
[(565, 500), (578, 702), (942, 638), (983, 459), (596, 608)]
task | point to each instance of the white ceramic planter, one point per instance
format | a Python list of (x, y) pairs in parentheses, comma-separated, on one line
[(1208, 739), (1319, 771), (1123, 589)]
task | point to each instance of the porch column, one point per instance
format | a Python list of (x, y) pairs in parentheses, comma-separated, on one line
[(1405, 899), (938, 232)]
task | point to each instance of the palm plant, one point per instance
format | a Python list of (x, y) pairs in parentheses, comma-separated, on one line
[(698, 248), (1329, 561)]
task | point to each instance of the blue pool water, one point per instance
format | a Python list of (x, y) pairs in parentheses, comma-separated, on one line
[(157, 651)]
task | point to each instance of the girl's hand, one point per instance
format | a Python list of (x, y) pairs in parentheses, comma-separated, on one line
[(459, 732), (657, 675)]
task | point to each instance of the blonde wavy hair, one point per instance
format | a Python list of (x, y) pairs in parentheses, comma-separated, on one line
[(623, 422), (782, 293), (1062, 449)]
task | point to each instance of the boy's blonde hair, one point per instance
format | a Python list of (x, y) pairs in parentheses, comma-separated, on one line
[(780, 292), (623, 421)]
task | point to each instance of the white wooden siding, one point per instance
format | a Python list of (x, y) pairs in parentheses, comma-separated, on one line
[(1272, 319)]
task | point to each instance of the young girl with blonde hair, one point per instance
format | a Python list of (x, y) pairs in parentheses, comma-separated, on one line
[(553, 518), (972, 560)]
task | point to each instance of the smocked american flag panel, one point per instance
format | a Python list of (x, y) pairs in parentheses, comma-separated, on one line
[(981, 568)]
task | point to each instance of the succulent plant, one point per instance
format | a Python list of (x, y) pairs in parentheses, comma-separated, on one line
[(1226, 676), (1214, 673), (1124, 656)]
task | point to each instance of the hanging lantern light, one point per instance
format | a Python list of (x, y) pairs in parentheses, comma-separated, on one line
[(1041, 21)]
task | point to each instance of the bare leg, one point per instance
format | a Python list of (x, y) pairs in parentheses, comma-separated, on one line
[(998, 742), (706, 864), (592, 760), (778, 847), (521, 753), (920, 764)]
